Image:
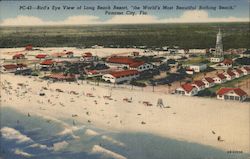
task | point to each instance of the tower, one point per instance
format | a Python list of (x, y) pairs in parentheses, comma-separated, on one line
[(219, 45), (218, 55)]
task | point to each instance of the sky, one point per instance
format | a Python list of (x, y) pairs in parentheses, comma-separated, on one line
[(18, 13)]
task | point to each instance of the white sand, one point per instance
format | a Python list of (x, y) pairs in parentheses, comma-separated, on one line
[(190, 119)]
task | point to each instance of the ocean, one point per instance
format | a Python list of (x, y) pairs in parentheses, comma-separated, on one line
[(24, 136)]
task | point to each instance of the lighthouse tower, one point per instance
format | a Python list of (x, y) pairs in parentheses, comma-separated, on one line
[(218, 55)]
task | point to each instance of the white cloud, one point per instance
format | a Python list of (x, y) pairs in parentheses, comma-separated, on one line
[(22, 20), (194, 16), (201, 16)]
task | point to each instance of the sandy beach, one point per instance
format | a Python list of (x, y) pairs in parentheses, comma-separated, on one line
[(192, 119)]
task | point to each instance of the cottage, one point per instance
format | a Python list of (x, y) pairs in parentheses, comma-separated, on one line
[(245, 70), (227, 63), (220, 78), (88, 57), (18, 56), (209, 82), (198, 67), (140, 66), (236, 94), (120, 76), (199, 85), (11, 68), (28, 47), (69, 54), (238, 73), (47, 64), (230, 75), (187, 89)]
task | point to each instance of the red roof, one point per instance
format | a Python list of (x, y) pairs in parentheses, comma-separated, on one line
[(228, 62), (199, 83), (230, 73), (121, 60), (47, 62), (187, 87), (41, 56), (209, 79), (136, 64), (18, 55), (239, 71), (87, 54), (125, 60), (29, 47), (237, 91), (247, 68), (69, 52), (221, 76), (10, 66), (124, 73)]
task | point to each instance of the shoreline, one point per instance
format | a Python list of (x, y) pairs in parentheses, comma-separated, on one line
[(188, 119)]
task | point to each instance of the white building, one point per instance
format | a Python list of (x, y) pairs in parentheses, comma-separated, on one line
[(198, 67), (238, 73), (216, 59), (245, 70), (187, 89), (121, 76), (209, 82), (199, 85), (235, 94), (230, 75), (220, 78)]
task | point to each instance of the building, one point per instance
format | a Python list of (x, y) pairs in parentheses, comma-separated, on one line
[(11, 68), (198, 67), (230, 75), (69, 54), (47, 64), (209, 82), (245, 70), (29, 48), (245, 53), (236, 94), (199, 85), (120, 76), (220, 78), (88, 57), (238, 73), (18, 56), (128, 63), (187, 89), (218, 55), (227, 63)]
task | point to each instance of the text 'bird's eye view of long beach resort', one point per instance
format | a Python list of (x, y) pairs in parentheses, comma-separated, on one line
[(124, 79)]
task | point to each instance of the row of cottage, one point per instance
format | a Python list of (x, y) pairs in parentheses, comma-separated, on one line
[(191, 89)]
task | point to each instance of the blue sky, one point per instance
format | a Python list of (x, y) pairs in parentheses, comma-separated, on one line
[(11, 15)]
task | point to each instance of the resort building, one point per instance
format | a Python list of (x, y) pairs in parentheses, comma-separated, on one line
[(187, 89), (245, 70), (46, 64), (128, 63), (199, 85), (230, 75), (236, 94), (198, 67), (227, 63), (209, 82), (120, 76), (18, 56), (238, 73), (88, 57), (11, 68), (220, 78)]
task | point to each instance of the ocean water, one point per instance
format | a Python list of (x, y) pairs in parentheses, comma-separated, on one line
[(39, 138)]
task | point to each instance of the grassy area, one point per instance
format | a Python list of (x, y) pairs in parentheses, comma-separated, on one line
[(235, 35), (232, 83), (195, 60)]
